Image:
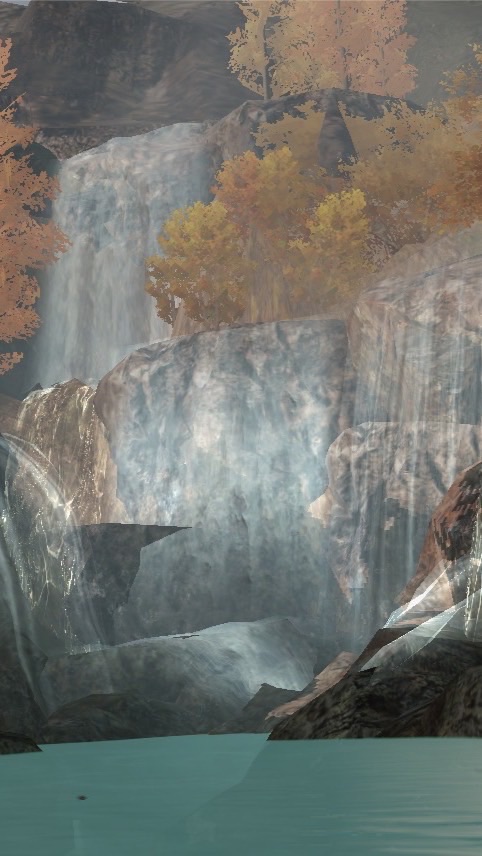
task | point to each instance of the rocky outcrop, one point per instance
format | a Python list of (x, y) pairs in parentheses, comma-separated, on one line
[(330, 676), (232, 135), (12, 743), (137, 71), (110, 558), (384, 482), (457, 712), (420, 675), (213, 673), (227, 431), (373, 704), (271, 704), (449, 538), (118, 716), (255, 717)]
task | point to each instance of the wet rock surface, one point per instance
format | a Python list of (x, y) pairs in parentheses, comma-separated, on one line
[(450, 536), (374, 704), (415, 341), (385, 480), (13, 744), (227, 432), (111, 553), (118, 716)]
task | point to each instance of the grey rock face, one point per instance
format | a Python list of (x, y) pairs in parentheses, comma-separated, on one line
[(227, 431), (213, 673), (111, 553), (118, 716), (108, 59), (21, 707)]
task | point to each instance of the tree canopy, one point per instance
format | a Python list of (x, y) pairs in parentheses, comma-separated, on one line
[(24, 242), (292, 46)]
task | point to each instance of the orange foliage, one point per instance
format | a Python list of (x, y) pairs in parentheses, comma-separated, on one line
[(316, 45), (269, 194), (454, 199), (203, 265), (295, 223), (417, 173), (23, 241)]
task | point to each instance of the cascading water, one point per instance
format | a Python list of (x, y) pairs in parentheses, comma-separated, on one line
[(461, 621), (422, 372), (113, 202), (46, 581)]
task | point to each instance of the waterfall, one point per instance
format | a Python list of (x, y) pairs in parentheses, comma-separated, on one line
[(112, 204), (40, 566)]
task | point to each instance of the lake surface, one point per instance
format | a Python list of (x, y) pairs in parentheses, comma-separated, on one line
[(238, 795)]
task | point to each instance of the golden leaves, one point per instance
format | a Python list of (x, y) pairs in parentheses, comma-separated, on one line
[(24, 243), (303, 45), (335, 251), (203, 265), (301, 227)]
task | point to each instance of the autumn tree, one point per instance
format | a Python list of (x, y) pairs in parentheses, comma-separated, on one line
[(303, 243), (203, 265), (24, 242), (259, 241), (418, 171), (335, 252), (302, 45), (454, 199)]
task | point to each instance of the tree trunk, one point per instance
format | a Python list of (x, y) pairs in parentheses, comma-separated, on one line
[(267, 90), (268, 298)]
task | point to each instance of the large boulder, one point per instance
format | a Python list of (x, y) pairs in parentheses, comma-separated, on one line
[(214, 672), (228, 431)]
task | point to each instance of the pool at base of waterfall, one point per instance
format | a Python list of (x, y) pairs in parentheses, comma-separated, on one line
[(233, 795)]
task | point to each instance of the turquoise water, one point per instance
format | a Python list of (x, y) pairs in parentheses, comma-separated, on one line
[(238, 795)]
